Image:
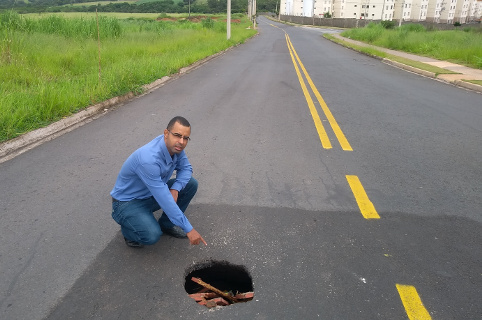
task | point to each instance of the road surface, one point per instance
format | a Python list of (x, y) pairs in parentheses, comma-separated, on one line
[(362, 204)]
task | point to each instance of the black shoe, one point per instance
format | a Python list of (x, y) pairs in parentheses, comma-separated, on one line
[(175, 232), (133, 244)]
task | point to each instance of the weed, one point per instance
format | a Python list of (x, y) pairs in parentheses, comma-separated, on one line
[(49, 65), (459, 46), (207, 23)]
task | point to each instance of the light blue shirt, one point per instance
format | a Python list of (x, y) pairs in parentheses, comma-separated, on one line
[(145, 174)]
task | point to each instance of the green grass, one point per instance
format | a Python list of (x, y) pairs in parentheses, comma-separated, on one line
[(459, 46), (420, 65), (95, 3), (479, 82), (73, 15), (381, 54), (46, 76)]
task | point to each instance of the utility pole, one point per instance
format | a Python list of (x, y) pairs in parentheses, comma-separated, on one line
[(253, 12), (401, 14), (383, 9), (228, 21)]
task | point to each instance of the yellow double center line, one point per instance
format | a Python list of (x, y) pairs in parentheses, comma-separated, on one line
[(410, 298), (325, 141)]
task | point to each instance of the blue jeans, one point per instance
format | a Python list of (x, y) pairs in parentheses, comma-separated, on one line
[(136, 217)]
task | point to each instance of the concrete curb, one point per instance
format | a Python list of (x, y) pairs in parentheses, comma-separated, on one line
[(468, 85), (458, 83), (11, 148), (410, 68)]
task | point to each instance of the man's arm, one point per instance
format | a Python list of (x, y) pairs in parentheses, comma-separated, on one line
[(150, 176), (194, 236)]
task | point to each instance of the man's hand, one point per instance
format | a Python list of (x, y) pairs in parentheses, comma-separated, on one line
[(174, 194), (195, 238)]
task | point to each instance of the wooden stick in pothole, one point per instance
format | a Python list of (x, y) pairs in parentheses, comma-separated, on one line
[(210, 287)]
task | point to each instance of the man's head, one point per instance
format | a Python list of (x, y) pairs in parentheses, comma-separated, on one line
[(176, 135)]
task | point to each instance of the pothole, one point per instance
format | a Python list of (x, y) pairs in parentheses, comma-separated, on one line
[(218, 283)]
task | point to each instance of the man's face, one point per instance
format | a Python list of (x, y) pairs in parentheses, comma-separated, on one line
[(176, 139)]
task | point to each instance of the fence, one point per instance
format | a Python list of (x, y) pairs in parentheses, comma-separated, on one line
[(360, 23)]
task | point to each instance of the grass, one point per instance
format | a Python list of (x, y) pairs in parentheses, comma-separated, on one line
[(95, 3), (381, 54), (462, 46), (479, 82), (48, 75), (74, 15)]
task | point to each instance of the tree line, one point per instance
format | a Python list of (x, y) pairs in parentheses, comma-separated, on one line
[(168, 6)]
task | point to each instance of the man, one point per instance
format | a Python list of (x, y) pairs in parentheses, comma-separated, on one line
[(143, 186)]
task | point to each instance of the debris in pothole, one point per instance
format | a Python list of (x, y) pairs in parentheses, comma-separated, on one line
[(211, 297)]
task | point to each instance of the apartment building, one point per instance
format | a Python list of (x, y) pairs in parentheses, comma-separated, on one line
[(419, 10), (441, 11)]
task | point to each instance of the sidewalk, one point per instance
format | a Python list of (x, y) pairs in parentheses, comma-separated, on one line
[(463, 72)]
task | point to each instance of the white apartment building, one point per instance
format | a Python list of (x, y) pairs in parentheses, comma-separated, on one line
[(419, 10), (403, 9), (362, 9), (443, 11), (462, 8), (472, 15), (478, 10), (434, 9)]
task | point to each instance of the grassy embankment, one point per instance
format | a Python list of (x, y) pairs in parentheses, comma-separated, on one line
[(49, 65), (458, 46)]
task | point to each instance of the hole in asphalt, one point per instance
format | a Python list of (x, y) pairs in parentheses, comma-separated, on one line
[(218, 283)]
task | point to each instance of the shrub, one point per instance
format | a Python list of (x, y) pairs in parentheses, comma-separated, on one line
[(207, 23), (413, 27), (388, 24), (11, 20)]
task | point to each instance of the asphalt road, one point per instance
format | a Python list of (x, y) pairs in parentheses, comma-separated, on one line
[(271, 197)]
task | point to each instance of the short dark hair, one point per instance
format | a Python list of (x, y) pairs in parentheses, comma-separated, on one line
[(182, 121)]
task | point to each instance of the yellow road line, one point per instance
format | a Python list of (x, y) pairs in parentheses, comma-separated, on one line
[(331, 119), (325, 141), (412, 303), (367, 208)]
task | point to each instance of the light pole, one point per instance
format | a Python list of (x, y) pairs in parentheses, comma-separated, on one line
[(228, 20), (401, 14)]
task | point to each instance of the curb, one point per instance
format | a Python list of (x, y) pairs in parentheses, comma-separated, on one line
[(29, 140), (458, 83), (410, 68), (468, 85), (11, 148)]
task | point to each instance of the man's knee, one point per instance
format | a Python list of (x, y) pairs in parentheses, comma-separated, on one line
[(192, 185), (152, 236)]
